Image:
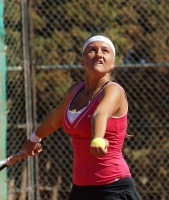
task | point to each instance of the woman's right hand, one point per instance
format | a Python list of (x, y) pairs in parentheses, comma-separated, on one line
[(32, 148)]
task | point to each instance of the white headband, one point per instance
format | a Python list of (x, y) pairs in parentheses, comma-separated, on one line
[(99, 38)]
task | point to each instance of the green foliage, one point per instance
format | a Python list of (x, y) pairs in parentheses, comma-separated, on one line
[(58, 29), (13, 38)]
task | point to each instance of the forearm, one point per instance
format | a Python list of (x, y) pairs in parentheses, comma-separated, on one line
[(49, 125), (99, 122), (99, 145)]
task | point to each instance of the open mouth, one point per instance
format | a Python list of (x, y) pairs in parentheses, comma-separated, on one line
[(98, 62)]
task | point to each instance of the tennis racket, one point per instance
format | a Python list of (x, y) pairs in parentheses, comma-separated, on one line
[(16, 157)]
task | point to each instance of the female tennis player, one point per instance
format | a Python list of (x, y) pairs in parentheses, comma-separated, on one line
[(94, 108)]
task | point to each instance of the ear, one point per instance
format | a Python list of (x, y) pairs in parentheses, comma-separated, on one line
[(112, 67)]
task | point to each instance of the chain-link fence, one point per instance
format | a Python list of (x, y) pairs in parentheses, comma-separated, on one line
[(44, 40)]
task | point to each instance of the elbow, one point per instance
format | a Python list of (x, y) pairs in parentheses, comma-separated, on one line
[(100, 115)]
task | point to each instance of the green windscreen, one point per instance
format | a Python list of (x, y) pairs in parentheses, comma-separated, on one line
[(3, 117)]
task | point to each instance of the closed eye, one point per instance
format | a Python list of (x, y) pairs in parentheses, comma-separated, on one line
[(92, 49)]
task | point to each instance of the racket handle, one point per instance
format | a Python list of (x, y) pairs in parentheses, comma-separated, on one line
[(2, 167)]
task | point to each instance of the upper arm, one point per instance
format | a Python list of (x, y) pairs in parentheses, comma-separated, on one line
[(112, 101)]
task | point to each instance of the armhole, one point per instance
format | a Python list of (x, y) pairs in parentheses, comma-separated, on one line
[(75, 91), (125, 95)]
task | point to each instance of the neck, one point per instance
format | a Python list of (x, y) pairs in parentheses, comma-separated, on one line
[(93, 87)]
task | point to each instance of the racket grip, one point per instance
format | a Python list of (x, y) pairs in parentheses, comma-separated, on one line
[(2, 167)]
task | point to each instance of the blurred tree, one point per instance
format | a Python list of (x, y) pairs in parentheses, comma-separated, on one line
[(59, 28)]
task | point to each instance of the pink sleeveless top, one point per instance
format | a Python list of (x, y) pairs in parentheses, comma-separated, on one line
[(89, 169)]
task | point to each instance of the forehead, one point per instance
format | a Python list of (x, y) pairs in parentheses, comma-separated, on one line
[(98, 44)]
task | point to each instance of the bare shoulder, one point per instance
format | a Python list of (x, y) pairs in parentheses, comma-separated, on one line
[(114, 87), (113, 100), (71, 89)]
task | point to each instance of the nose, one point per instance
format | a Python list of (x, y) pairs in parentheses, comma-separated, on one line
[(99, 53)]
